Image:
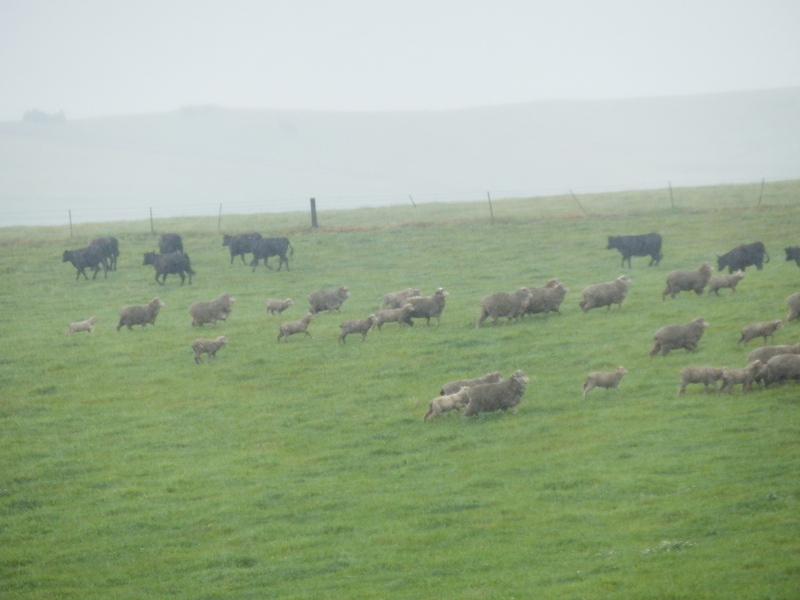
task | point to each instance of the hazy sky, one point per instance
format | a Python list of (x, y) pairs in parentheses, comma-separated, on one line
[(105, 57)]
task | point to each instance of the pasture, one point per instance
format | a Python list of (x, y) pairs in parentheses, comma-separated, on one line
[(304, 469)]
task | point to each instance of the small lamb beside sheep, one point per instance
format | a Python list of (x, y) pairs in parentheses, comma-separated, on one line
[(687, 281), (442, 404), (744, 376), (277, 306), (292, 327), (708, 376), (87, 325), (203, 346), (764, 329), (717, 282), (361, 326), (489, 397), (394, 315), (605, 294), (603, 380), (139, 314)]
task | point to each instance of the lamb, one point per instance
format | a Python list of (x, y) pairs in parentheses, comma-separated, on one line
[(87, 325), (451, 387), (687, 281), (394, 315), (292, 327), (278, 306), (361, 326), (547, 298), (509, 305), (745, 376), (489, 397), (782, 367), (329, 300), (684, 336), (203, 346), (398, 299), (793, 302), (765, 329), (717, 282), (442, 404), (212, 311), (603, 380), (140, 314), (764, 353), (605, 294), (708, 376), (428, 307)]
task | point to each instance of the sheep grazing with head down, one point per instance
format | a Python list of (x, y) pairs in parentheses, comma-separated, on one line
[(605, 294), (489, 397), (604, 380), (687, 281), (451, 387), (292, 327), (764, 329), (764, 353), (793, 302), (428, 307), (717, 282), (442, 404), (545, 299), (361, 326), (672, 337), (212, 311), (398, 299), (203, 346), (277, 306), (394, 315), (329, 300), (708, 376), (139, 314), (744, 376), (87, 325), (509, 305)]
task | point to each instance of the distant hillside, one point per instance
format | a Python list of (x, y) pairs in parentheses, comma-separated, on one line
[(191, 160)]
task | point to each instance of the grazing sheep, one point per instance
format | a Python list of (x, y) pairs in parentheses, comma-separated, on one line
[(442, 404), (708, 376), (428, 307), (329, 300), (687, 281), (361, 326), (292, 327), (765, 329), (394, 315), (764, 353), (793, 302), (451, 387), (745, 376), (546, 298), (139, 314), (782, 368), (87, 325), (203, 346), (717, 282), (603, 380), (278, 306), (398, 299), (605, 294), (509, 305), (212, 311), (684, 336), (489, 397)]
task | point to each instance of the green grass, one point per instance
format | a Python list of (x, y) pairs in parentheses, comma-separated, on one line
[(304, 469)]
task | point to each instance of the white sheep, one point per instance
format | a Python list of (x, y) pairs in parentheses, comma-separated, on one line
[(292, 327), (394, 315), (717, 282), (708, 376), (442, 404), (87, 325), (140, 314), (764, 329), (603, 380), (397, 299), (203, 346), (278, 306), (744, 376), (361, 326)]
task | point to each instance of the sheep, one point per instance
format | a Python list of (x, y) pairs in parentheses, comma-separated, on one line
[(361, 326), (203, 346), (605, 294), (793, 302), (278, 306), (745, 376), (717, 282), (451, 387), (509, 305), (687, 281), (292, 327), (329, 300), (764, 353), (545, 299), (765, 329), (394, 315), (489, 397), (782, 367), (708, 376), (684, 336), (603, 380), (428, 307), (442, 404), (87, 325), (397, 299), (140, 314), (211, 311)]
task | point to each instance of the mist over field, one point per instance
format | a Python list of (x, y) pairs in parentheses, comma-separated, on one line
[(195, 159)]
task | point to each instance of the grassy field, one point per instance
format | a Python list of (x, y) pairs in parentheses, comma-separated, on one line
[(304, 470)]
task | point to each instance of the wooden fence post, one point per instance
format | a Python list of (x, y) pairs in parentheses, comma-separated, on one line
[(491, 212), (671, 199), (152, 228), (70, 223), (578, 202), (761, 195), (314, 223)]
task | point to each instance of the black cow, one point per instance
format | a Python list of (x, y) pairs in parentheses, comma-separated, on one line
[(637, 245), (90, 257), (241, 244), (743, 256), (174, 263), (110, 248), (169, 243), (793, 253), (271, 247)]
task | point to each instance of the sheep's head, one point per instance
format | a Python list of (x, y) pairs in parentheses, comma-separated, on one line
[(624, 279), (222, 340), (520, 377), (701, 321)]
